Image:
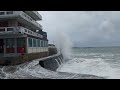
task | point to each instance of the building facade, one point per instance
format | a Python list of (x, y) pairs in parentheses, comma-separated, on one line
[(20, 33)]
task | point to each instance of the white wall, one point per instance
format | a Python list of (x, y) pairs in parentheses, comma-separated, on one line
[(37, 49)]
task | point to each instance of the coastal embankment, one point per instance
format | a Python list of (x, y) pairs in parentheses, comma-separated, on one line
[(44, 68), (51, 62)]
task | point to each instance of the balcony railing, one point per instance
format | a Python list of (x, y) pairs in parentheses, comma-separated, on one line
[(24, 15), (6, 12), (21, 30), (37, 14), (30, 19), (6, 30)]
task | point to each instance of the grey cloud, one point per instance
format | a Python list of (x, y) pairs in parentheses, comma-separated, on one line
[(85, 28)]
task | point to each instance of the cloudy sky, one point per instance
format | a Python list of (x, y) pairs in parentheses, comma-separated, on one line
[(84, 28)]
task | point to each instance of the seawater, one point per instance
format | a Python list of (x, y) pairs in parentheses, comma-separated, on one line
[(100, 61)]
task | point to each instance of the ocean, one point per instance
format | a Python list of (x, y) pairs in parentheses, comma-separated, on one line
[(83, 63), (99, 61)]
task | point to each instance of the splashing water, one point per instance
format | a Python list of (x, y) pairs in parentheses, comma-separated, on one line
[(63, 44), (103, 62), (88, 66)]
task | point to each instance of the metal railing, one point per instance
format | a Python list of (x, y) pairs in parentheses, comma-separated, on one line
[(21, 30), (37, 14), (30, 19), (6, 12), (5, 30), (24, 15)]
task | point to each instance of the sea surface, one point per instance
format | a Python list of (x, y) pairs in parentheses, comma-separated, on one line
[(99, 61), (83, 63)]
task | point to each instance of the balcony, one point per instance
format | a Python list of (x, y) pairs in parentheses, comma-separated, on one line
[(18, 30), (21, 17), (7, 14), (34, 14)]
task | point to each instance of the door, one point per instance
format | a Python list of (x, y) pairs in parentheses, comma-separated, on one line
[(1, 46)]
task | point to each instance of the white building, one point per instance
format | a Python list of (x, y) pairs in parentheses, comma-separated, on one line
[(20, 33)]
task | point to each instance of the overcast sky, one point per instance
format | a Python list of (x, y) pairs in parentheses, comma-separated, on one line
[(85, 28)]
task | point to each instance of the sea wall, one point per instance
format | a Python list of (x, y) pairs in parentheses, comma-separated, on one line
[(51, 62), (50, 58), (52, 50), (7, 61)]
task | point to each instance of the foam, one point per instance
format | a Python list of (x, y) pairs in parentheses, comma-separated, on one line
[(95, 66)]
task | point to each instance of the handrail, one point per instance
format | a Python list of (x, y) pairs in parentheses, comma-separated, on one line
[(37, 14), (2, 13), (6, 12), (29, 18), (31, 32), (21, 30)]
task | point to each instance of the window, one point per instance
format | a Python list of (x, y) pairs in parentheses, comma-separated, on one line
[(30, 19), (2, 13), (9, 43), (25, 30), (41, 43), (30, 42), (10, 29), (34, 42), (2, 30), (38, 43), (20, 44), (9, 12), (10, 46), (46, 45), (28, 31)]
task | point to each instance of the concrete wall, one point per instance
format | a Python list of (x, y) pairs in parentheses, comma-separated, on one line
[(12, 23), (9, 23), (6, 61), (36, 49), (51, 62), (3, 23), (52, 51)]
